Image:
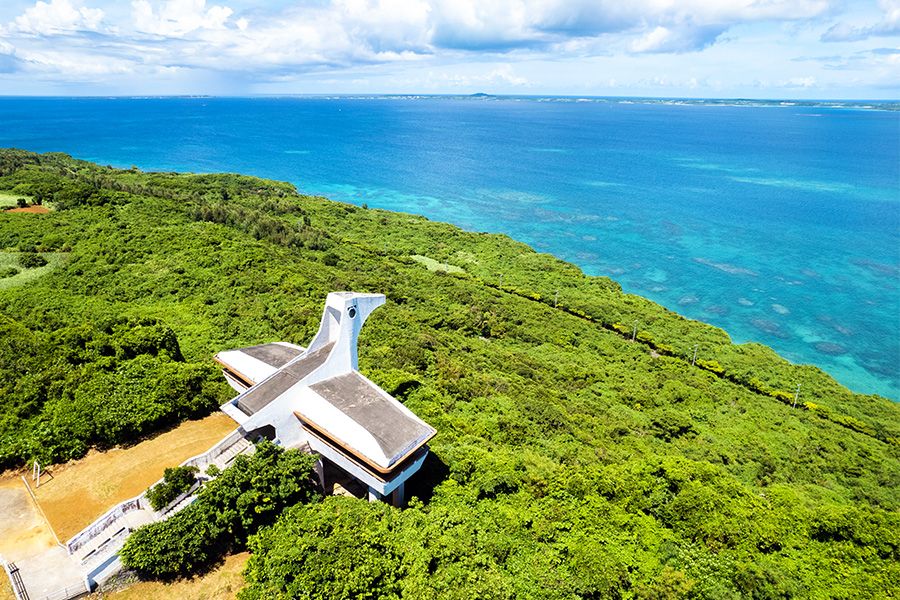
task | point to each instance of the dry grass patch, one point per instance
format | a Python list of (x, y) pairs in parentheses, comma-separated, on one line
[(76, 493), (222, 583), (35, 209)]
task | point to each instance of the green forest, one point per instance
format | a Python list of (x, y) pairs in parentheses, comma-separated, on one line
[(579, 452)]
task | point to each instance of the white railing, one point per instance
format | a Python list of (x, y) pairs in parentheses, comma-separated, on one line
[(15, 579), (67, 592), (99, 551), (103, 523), (110, 517)]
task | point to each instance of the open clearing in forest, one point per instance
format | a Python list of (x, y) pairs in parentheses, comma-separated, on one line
[(74, 494), (221, 583), (10, 199), (11, 259), (433, 265), (36, 209)]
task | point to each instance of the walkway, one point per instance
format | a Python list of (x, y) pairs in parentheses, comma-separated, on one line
[(58, 572)]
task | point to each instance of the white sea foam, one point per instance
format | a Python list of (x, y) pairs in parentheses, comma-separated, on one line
[(800, 184), (780, 309)]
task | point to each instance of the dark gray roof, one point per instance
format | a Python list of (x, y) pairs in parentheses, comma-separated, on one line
[(273, 354), (395, 430), (257, 397)]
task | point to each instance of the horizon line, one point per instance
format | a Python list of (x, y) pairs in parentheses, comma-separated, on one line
[(452, 95)]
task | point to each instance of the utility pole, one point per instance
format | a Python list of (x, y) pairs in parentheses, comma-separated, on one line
[(556, 299), (693, 360), (634, 333), (501, 280), (796, 396)]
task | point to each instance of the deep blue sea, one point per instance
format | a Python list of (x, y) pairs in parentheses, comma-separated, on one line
[(779, 223)]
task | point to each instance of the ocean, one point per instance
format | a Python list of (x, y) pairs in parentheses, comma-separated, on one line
[(778, 222)]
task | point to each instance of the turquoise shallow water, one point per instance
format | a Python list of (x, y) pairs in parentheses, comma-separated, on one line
[(780, 224)]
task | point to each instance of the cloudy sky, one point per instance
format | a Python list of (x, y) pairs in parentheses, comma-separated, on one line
[(695, 48)]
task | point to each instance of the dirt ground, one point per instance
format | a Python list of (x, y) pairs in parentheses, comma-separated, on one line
[(36, 209), (23, 532), (74, 494), (6, 592), (221, 584)]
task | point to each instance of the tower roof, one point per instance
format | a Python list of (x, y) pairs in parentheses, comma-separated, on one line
[(322, 387)]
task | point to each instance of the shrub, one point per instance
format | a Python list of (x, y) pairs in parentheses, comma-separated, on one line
[(669, 424), (712, 366), (246, 496), (8, 272), (341, 548), (31, 260), (786, 397), (621, 328), (665, 349), (21, 202), (176, 481)]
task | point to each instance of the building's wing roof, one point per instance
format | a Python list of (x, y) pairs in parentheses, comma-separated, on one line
[(258, 396), (363, 419), (255, 363)]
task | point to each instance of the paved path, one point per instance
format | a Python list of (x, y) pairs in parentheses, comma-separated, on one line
[(48, 571)]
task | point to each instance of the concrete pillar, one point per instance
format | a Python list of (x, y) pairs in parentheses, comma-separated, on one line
[(374, 496), (319, 470), (398, 496)]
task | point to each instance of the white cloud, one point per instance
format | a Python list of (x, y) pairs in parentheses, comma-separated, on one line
[(176, 18), (889, 25), (503, 75), (58, 16), (448, 44), (75, 66), (9, 63), (799, 82), (682, 25), (683, 39)]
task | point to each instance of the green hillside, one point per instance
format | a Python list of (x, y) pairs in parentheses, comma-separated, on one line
[(572, 461)]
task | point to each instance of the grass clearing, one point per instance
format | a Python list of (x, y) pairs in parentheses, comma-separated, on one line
[(11, 259), (8, 199), (76, 493), (222, 583), (6, 592), (433, 265)]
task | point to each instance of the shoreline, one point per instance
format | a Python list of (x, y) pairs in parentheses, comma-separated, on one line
[(854, 386), (563, 198)]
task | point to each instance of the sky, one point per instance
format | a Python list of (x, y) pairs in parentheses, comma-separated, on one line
[(825, 49)]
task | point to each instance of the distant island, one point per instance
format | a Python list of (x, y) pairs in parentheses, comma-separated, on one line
[(592, 443)]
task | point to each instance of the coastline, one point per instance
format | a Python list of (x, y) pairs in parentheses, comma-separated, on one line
[(787, 248), (861, 385), (555, 394)]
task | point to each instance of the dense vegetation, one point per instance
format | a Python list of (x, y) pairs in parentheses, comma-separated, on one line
[(571, 461), (234, 505), (176, 481)]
